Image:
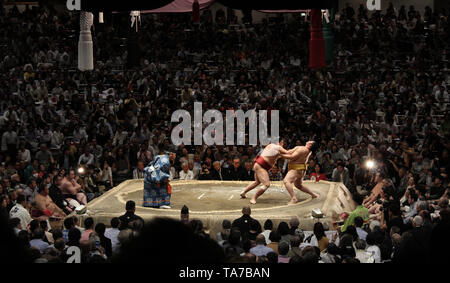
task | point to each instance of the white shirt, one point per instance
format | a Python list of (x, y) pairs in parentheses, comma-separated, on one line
[(375, 252), (18, 211), (266, 234), (189, 175), (8, 138), (361, 233), (25, 156), (113, 234), (363, 256)]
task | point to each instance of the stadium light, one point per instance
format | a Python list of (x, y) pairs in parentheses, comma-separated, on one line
[(80, 170), (370, 164)]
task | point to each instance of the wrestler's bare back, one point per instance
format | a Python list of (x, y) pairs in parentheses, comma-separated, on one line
[(271, 153)]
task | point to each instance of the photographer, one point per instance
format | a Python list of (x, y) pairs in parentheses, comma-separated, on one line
[(204, 173)]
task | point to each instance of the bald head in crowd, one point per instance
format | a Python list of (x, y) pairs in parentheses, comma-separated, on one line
[(246, 210)]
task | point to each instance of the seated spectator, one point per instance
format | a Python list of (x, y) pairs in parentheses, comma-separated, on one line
[(37, 240), (194, 170), (372, 248), (317, 175), (412, 201), (105, 242), (89, 228), (68, 224), (236, 172), (223, 235), (87, 158), (360, 211), (216, 173), (275, 174), (113, 234), (260, 248), (295, 246), (14, 224), (138, 172), (185, 173), (129, 215), (268, 226), (284, 231), (318, 238), (359, 222), (105, 177), (283, 250), (20, 212), (376, 191), (341, 174), (274, 238), (243, 223), (249, 174)]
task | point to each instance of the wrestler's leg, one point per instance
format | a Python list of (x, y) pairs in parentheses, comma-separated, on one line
[(82, 198), (299, 185), (253, 185), (288, 181), (263, 176)]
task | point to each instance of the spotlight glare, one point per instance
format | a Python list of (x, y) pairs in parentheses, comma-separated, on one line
[(370, 164), (80, 170)]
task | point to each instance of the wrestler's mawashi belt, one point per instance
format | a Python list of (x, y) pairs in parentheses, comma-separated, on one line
[(262, 162), (297, 166)]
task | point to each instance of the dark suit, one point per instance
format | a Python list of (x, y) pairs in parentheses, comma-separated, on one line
[(127, 218), (248, 175), (216, 175), (235, 174), (243, 223)]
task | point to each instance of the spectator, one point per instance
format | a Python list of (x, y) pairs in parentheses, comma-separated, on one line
[(243, 223), (138, 172), (359, 221), (283, 250), (260, 249), (20, 212), (341, 174), (317, 175), (113, 233), (274, 238), (295, 246), (129, 215), (105, 242), (268, 226), (89, 228), (186, 174), (360, 211), (37, 240), (216, 173)]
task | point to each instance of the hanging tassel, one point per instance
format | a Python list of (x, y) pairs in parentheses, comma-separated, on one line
[(85, 45), (196, 11), (135, 18)]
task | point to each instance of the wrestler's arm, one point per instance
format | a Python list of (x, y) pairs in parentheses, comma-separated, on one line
[(281, 150), (296, 153)]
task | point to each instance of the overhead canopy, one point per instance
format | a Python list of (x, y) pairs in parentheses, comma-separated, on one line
[(183, 6)]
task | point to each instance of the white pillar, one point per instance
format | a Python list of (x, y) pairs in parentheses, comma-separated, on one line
[(85, 44)]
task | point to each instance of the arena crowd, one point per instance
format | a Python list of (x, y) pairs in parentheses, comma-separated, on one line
[(384, 98)]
